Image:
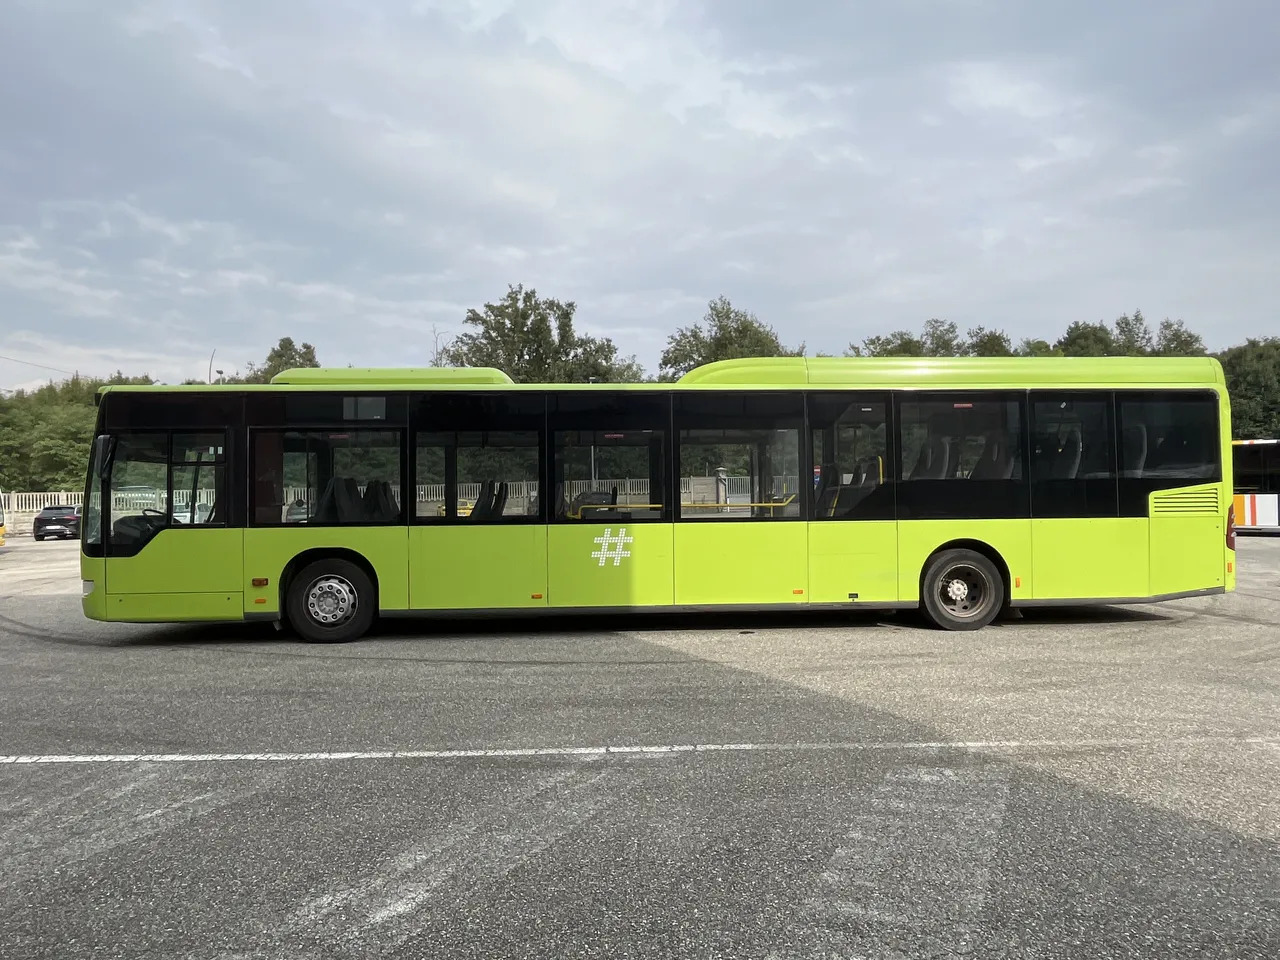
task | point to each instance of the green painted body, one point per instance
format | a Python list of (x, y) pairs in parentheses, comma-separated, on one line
[(1179, 548)]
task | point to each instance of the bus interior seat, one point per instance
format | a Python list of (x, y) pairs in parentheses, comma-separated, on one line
[(327, 506), (484, 502), (499, 501), (997, 459), (936, 459), (1134, 449), (1066, 464), (379, 503), (349, 502)]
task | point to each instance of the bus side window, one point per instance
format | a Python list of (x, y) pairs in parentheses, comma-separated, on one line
[(1168, 439), (478, 458), (608, 457), (739, 455), (961, 456), (853, 479), (1073, 456)]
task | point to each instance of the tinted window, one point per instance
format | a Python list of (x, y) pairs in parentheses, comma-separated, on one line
[(134, 411), (326, 477), (478, 457), (852, 473), (961, 457), (1073, 455), (1166, 440), (739, 455), (292, 409), (1257, 467), (609, 457)]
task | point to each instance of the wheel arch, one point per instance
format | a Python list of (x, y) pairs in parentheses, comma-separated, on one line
[(300, 560), (977, 546)]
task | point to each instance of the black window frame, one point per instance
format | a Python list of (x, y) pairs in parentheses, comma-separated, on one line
[(352, 427), (1135, 492), (108, 547), (1051, 494), (680, 417), (422, 422), (813, 398), (1017, 493), (593, 411)]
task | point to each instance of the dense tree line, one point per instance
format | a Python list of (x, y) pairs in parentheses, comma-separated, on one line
[(45, 433)]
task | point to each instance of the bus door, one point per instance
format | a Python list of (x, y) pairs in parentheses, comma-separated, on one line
[(478, 541), (171, 552), (853, 542), (609, 541), (741, 539)]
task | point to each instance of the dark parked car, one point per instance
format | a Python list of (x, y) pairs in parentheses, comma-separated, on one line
[(60, 522)]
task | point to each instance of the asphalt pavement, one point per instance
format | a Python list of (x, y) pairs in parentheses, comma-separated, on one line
[(1082, 783)]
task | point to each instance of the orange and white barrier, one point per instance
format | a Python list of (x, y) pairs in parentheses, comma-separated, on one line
[(1257, 511)]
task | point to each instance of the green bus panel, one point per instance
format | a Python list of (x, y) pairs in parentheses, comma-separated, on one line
[(194, 560), (480, 566), (917, 539), (267, 550), (1187, 553), (1075, 559), (742, 562), (609, 565), (856, 556), (173, 607)]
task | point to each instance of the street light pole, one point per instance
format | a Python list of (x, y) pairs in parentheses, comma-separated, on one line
[(210, 377)]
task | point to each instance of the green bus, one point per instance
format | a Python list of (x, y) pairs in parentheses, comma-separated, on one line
[(960, 486)]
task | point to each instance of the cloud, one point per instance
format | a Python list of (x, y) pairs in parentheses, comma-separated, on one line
[(187, 176)]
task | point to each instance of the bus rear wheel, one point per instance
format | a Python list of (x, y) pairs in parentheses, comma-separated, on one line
[(961, 590), (330, 601)]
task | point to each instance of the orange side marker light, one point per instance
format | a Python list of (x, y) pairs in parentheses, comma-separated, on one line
[(259, 581)]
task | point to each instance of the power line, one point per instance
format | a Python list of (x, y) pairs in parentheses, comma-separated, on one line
[(42, 366)]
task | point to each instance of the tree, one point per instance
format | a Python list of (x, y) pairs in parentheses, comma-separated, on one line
[(899, 343), (724, 333), (1252, 370), (285, 355), (1132, 336), (1175, 340), (939, 338), (1030, 347), (1086, 340), (981, 342), (533, 340)]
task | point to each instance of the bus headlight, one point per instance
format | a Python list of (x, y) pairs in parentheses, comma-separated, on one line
[(86, 588)]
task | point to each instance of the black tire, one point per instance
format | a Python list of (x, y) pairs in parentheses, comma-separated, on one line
[(330, 601), (961, 590), (39, 539)]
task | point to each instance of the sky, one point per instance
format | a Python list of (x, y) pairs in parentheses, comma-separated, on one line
[(181, 177)]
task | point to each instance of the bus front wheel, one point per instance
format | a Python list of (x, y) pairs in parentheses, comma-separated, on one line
[(961, 590), (330, 601)]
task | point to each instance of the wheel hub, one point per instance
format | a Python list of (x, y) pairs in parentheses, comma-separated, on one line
[(331, 600), (957, 590)]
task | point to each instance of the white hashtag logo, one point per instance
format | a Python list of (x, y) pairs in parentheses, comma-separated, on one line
[(611, 547)]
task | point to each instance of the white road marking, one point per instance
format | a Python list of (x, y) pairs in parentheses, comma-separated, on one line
[(625, 749)]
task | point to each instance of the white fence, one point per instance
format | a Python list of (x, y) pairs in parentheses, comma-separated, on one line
[(20, 508)]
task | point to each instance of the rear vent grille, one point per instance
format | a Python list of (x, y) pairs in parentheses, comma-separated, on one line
[(1186, 501)]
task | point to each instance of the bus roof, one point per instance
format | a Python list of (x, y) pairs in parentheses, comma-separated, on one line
[(776, 373)]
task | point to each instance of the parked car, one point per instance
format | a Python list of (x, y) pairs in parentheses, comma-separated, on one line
[(62, 522)]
